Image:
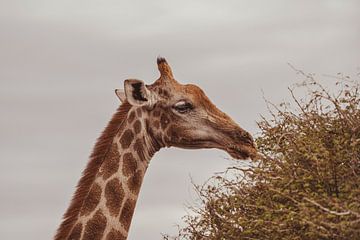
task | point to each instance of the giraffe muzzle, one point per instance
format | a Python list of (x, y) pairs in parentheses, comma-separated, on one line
[(240, 144), (242, 152)]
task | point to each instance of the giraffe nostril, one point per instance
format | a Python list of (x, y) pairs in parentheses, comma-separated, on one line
[(250, 141), (244, 137)]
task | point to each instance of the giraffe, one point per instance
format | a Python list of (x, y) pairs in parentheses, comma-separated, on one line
[(163, 114)]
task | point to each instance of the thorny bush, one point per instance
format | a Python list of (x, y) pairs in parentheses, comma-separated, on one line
[(306, 183)]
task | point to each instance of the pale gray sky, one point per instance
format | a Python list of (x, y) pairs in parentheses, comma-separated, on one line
[(60, 62)]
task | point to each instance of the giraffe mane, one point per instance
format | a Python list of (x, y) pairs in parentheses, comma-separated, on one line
[(97, 156)]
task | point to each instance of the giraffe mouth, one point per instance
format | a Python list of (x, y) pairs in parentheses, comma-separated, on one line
[(247, 151), (235, 153)]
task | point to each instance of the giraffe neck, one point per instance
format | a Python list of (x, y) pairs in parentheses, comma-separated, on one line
[(107, 210)]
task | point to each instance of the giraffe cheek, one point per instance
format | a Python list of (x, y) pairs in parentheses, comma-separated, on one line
[(173, 134), (164, 121)]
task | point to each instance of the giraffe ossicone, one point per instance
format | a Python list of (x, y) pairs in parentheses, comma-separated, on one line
[(121, 95), (163, 114)]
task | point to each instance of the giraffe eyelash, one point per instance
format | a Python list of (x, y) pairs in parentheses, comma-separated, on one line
[(183, 106)]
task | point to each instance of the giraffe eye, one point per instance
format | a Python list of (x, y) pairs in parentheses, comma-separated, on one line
[(183, 107)]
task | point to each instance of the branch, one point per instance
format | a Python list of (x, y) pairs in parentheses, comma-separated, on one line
[(330, 211)]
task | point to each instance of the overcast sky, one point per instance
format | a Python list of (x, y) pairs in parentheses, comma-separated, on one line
[(60, 62)]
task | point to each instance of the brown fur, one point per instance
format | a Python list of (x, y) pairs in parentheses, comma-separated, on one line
[(126, 138), (164, 121), (127, 213), (95, 227), (139, 112), (129, 164), (134, 182), (96, 159), (115, 235), (92, 200), (131, 117), (156, 124), (156, 113), (137, 126), (76, 232), (114, 195), (139, 148), (111, 164), (200, 98)]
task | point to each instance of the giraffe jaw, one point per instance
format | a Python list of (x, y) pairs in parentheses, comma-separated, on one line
[(239, 152), (243, 152)]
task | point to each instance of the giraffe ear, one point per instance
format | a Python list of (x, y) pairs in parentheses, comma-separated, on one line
[(137, 93), (120, 93)]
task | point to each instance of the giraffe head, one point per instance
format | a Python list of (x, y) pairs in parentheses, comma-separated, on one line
[(183, 116)]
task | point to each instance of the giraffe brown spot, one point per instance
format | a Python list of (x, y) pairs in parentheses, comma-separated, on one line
[(126, 138), (76, 232), (166, 93), (92, 200), (114, 195), (115, 235), (173, 133), (139, 148), (156, 124), (127, 213), (131, 117), (164, 121), (134, 182), (156, 113), (137, 126), (129, 164), (111, 163), (95, 227), (139, 112)]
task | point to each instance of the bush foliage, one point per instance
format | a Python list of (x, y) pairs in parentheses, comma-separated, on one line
[(306, 183)]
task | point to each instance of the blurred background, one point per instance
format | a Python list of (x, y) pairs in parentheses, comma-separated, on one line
[(60, 62)]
